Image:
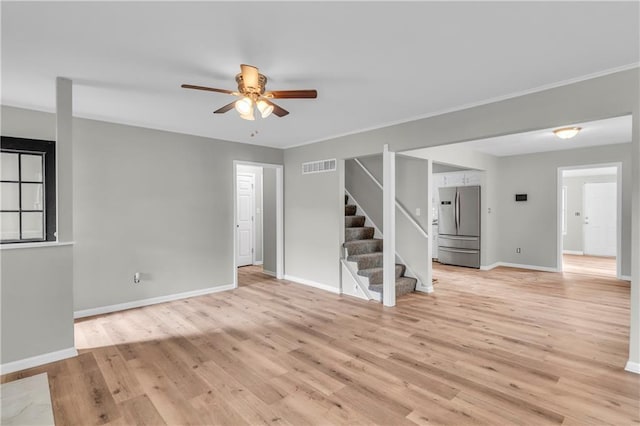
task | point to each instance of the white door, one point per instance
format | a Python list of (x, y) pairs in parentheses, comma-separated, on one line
[(244, 220), (600, 205)]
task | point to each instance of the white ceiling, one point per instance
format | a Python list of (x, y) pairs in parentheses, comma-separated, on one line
[(373, 63), (594, 133)]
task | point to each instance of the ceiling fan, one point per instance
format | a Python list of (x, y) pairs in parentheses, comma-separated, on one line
[(251, 90)]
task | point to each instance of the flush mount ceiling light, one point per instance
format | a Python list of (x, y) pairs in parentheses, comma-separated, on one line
[(567, 132), (251, 88)]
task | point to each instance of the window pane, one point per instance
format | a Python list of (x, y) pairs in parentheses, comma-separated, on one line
[(32, 226), (8, 166), (9, 197), (32, 196), (31, 167), (9, 226)]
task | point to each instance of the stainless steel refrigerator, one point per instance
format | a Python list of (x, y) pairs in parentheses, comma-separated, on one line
[(459, 226)]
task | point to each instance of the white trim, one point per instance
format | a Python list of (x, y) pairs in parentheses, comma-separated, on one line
[(271, 274), (258, 262), (531, 267), (632, 367), (489, 267), (473, 104), (625, 278), (389, 226), (35, 361), (310, 283), (151, 301), (354, 276), (279, 222), (560, 242), (14, 246), (279, 215), (574, 252)]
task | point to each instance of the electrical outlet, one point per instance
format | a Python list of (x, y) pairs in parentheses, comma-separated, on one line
[(518, 250), (136, 278)]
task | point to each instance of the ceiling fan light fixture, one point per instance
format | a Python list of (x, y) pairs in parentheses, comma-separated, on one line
[(567, 132), (264, 108), (244, 106), (248, 116)]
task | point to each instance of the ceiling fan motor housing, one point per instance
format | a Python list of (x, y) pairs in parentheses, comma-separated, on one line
[(248, 90)]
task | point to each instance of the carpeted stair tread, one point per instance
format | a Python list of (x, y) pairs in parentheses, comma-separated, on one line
[(372, 245), (358, 233), (404, 285), (375, 275), (366, 252), (367, 260), (353, 221)]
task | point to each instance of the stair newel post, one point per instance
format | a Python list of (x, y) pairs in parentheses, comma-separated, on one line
[(389, 226)]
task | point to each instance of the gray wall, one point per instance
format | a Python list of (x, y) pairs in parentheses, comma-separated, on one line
[(532, 225), (144, 200), (155, 202), (312, 198), (257, 212), (572, 240), (269, 219), (36, 296), (411, 192)]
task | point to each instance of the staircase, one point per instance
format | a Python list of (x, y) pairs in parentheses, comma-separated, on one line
[(366, 251)]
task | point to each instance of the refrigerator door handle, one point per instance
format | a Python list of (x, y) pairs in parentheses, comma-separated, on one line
[(457, 210)]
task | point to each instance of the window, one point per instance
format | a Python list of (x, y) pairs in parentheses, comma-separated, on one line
[(564, 210), (28, 190)]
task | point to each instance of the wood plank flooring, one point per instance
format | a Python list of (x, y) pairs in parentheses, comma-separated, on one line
[(589, 265), (498, 347)]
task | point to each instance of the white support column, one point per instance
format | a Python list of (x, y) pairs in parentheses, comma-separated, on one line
[(633, 364), (389, 227), (428, 286)]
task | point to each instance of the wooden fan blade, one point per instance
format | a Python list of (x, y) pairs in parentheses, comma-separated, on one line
[(209, 89), (292, 94), (225, 108), (277, 110), (249, 75)]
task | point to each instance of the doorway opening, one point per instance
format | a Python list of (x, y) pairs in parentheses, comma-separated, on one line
[(589, 219), (258, 221)]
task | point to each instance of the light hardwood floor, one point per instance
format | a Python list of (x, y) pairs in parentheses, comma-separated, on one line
[(500, 347), (589, 265)]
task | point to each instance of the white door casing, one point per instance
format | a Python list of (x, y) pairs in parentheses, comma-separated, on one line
[(245, 218), (599, 229)]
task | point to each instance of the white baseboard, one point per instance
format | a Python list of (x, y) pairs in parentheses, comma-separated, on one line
[(151, 301), (576, 252), (518, 265), (489, 267), (633, 367), (312, 284), (258, 263), (625, 277), (35, 361), (424, 289), (273, 274), (531, 267)]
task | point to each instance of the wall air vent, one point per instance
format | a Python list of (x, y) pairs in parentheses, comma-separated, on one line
[(319, 166)]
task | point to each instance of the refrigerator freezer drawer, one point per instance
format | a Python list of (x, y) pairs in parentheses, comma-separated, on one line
[(459, 257), (454, 241)]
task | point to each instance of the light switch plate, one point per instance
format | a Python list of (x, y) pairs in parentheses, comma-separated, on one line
[(418, 211)]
